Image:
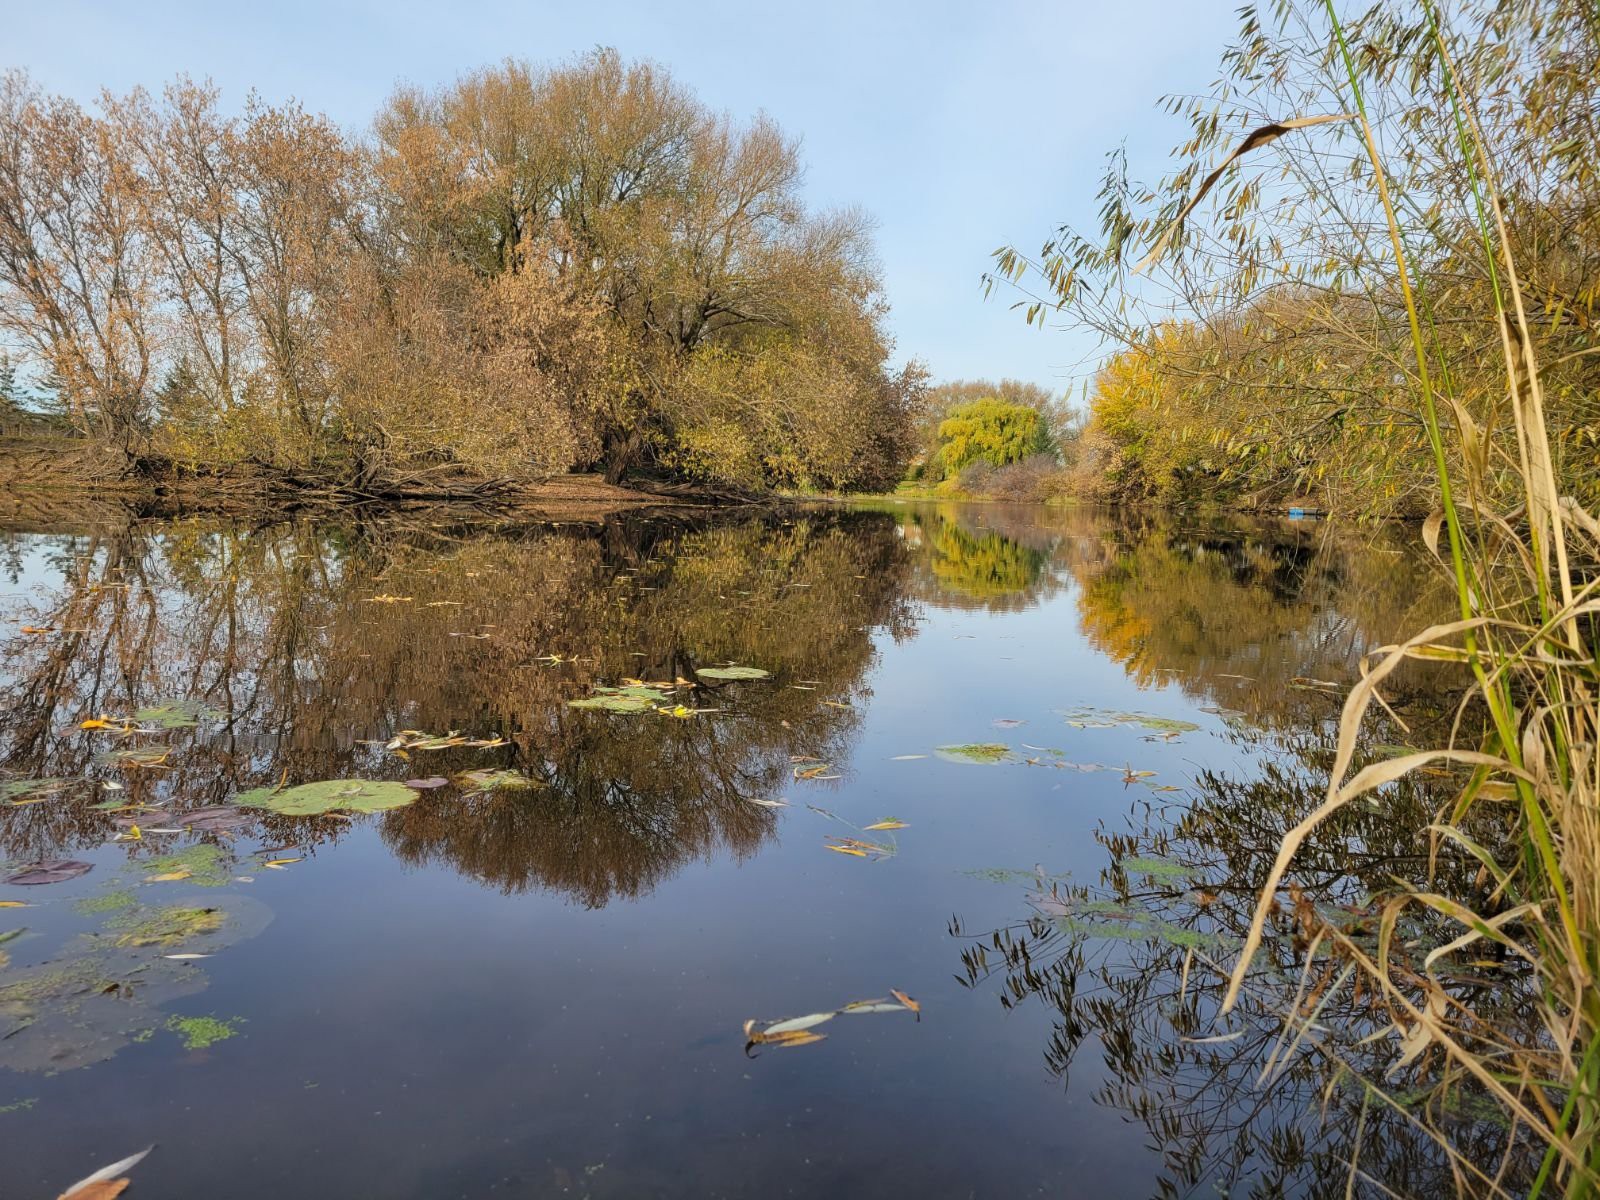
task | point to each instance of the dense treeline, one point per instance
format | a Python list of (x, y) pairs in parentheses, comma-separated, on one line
[(1263, 354), (528, 271)]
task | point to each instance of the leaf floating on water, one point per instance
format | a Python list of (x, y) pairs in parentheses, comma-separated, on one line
[(84, 1189), (184, 957), (278, 864), (103, 722), (313, 799), (859, 848), (1102, 718), (906, 1000), (797, 1039), (979, 753), (1159, 868), (906, 757), (732, 673), (873, 1006), (628, 699), (423, 785), (167, 877), (1007, 723), (886, 823), (55, 870), (136, 756), (779, 803), (415, 739), (18, 792), (217, 818), (795, 1024), (15, 904), (496, 780), (177, 714)]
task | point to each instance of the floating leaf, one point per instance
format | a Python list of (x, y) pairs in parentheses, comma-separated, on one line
[(328, 795), (873, 1006), (105, 1183), (413, 739), (768, 803), (30, 791), (794, 1024), (423, 785), (906, 757), (635, 698), (732, 673), (907, 1001), (135, 756), (980, 753), (504, 779), (887, 823), (1007, 723), (217, 818), (55, 870), (278, 864), (176, 714), (847, 850), (1159, 868), (1102, 718)]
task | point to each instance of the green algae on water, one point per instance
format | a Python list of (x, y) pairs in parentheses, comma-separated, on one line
[(202, 864), (108, 902), (198, 1033)]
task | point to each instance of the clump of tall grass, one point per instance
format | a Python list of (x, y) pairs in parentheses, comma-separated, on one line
[(1527, 583)]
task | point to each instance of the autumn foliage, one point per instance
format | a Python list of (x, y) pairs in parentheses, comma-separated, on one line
[(528, 271)]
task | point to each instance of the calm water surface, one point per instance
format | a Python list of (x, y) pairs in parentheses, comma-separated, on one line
[(541, 991)]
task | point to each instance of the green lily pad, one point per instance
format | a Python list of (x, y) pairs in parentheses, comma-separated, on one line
[(176, 714), (488, 780), (633, 699), (731, 673), (1102, 718), (21, 791), (329, 795), (981, 753), (1158, 868)]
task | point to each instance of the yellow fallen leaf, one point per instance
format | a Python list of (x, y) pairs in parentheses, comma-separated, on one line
[(798, 1038), (847, 850), (14, 904), (890, 823), (100, 722), (37, 629), (907, 1001), (277, 864), (168, 876)]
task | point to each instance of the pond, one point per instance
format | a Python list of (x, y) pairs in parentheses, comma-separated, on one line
[(1017, 768)]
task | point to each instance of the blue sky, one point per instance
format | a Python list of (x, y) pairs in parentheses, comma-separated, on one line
[(959, 126)]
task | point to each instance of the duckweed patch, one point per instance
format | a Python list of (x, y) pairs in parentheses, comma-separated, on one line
[(172, 925), (202, 864), (108, 902), (198, 1033)]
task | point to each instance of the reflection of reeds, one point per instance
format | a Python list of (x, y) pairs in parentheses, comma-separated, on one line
[(1526, 637)]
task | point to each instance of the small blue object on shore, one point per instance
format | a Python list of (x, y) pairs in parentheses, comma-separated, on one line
[(1297, 514)]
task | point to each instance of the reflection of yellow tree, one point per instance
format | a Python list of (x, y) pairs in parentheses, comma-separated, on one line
[(320, 643), (983, 564), (1236, 616)]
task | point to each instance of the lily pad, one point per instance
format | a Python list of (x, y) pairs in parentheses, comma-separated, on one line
[(501, 780), (981, 753), (176, 714), (217, 818), (633, 699), (1101, 718), (732, 673), (329, 795), (55, 870), (423, 785), (26, 791)]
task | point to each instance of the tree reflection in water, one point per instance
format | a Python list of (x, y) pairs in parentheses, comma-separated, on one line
[(320, 643)]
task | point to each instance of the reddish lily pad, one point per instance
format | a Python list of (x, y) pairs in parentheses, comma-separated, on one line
[(55, 870)]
